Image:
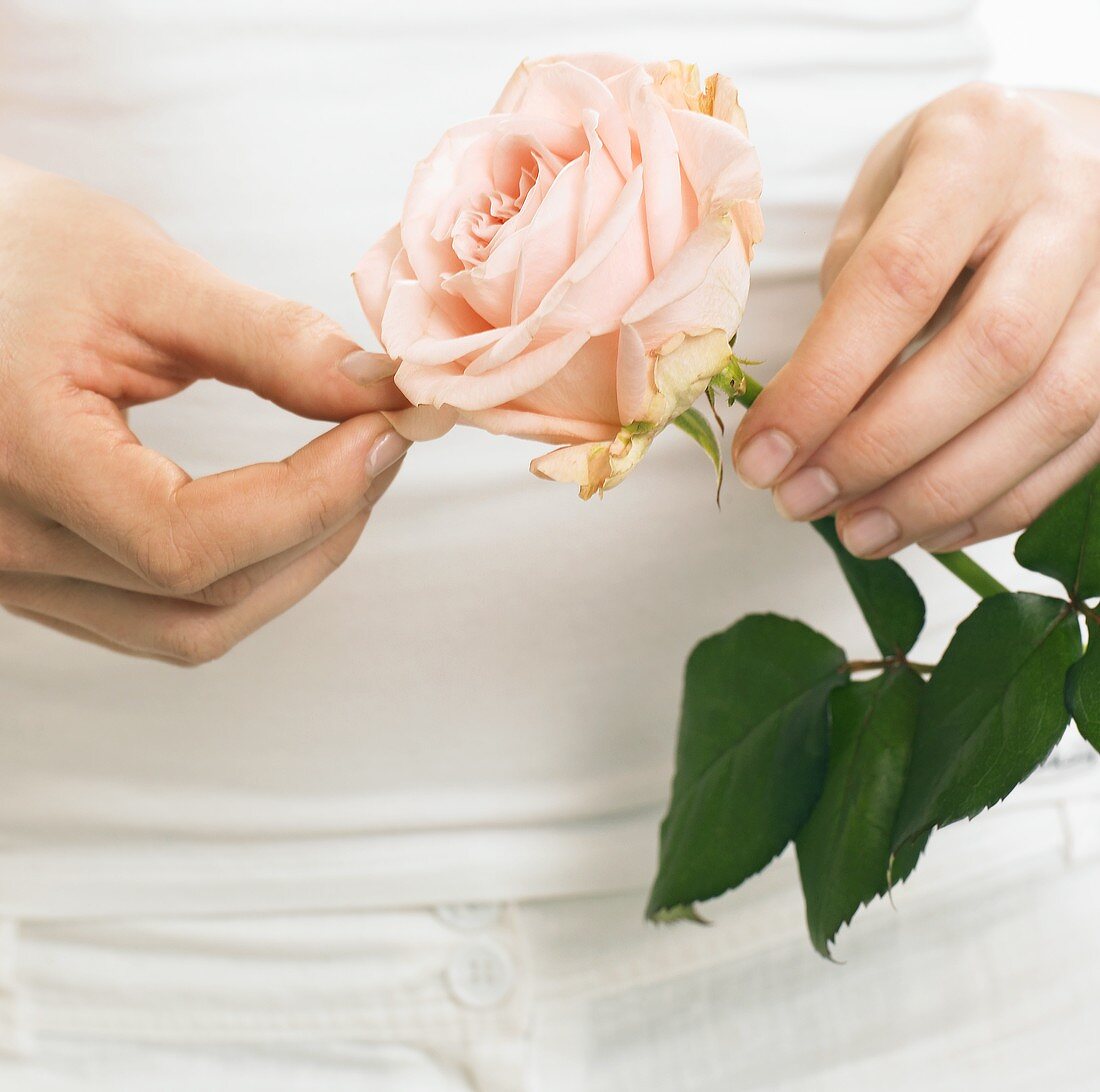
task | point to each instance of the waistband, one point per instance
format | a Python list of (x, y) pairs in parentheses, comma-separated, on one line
[(459, 973)]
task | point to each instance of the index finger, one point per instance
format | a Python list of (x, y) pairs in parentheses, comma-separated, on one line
[(92, 475), (890, 287)]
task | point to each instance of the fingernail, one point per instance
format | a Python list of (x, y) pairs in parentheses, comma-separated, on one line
[(382, 483), (810, 490), (385, 451), (366, 368), (764, 458), (949, 539), (869, 532)]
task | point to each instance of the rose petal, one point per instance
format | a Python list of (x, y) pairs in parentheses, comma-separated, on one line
[(703, 287), (604, 66), (634, 387), (584, 388), (444, 386), (718, 160), (671, 212), (371, 277), (490, 288), (424, 230), (602, 185), (604, 280), (549, 244), (592, 293), (560, 91), (415, 329), (508, 421), (422, 423)]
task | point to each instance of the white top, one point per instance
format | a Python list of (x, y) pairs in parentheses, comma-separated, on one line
[(402, 736)]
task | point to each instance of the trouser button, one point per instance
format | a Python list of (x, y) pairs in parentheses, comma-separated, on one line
[(481, 975)]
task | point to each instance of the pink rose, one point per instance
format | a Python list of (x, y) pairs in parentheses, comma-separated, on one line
[(572, 267)]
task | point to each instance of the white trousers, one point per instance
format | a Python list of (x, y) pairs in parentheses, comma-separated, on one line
[(985, 975)]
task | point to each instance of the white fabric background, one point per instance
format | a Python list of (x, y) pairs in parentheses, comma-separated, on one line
[(295, 784)]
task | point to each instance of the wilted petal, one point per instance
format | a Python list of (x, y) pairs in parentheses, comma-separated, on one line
[(682, 374), (677, 83), (594, 467), (721, 102)]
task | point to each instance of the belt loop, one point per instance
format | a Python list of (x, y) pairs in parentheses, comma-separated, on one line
[(16, 1039)]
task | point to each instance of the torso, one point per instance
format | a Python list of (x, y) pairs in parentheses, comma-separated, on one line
[(484, 699)]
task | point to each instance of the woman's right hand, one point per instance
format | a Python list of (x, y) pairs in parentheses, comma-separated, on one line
[(109, 541)]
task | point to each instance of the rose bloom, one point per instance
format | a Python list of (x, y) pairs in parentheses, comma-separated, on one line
[(572, 267)]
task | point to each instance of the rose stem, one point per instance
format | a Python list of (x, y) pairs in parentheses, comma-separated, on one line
[(961, 564), (971, 573)]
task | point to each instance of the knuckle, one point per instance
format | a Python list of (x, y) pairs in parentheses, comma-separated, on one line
[(176, 558), (1001, 342), (229, 591), (195, 640), (1069, 401), (907, 267), (322, 512), (942, 499), (979, 107), (171, 567), (288, 319), (980, 97), (873, 453), (1015, 511)]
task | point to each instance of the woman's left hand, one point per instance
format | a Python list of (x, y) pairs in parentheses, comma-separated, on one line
[(996, 415)]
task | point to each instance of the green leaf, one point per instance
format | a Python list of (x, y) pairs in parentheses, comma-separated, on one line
[(1064, 542), (888, 598), (698, 428), (992, 711), (750, 757), (844, 848), (1083, 688)]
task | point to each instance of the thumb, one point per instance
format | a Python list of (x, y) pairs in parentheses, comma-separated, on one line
[(287, 352)]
